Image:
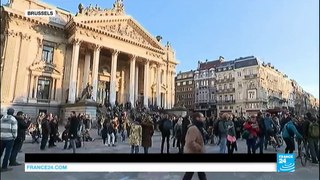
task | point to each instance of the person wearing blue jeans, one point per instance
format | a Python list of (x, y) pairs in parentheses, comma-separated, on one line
[(223, 133), (6, 144), (9, 132)]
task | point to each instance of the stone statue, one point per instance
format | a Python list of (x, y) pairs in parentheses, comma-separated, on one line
[(86, 93), (80, 8)]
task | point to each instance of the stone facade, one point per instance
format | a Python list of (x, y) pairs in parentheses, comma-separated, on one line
[(225, 87), (48, 62), (204, 78), (185, 89)]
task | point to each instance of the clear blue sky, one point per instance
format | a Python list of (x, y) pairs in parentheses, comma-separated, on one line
[(283, 32)]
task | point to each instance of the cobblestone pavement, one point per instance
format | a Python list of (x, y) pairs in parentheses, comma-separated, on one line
[(311, 172)]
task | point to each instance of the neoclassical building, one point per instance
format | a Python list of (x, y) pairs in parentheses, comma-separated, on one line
[(47, 62)]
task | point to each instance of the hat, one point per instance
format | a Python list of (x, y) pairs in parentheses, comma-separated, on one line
[(10, 111)]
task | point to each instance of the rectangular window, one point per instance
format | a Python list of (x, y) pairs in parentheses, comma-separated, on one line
[(225, 97), (231, 97), (190, 82), (178, 84), (43, 88), (47, 54)]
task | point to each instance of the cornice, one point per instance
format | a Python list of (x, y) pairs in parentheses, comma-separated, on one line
[(18, 15), (112, 35)]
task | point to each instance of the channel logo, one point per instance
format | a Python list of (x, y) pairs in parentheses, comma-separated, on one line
[(285, 163), (40, 13)]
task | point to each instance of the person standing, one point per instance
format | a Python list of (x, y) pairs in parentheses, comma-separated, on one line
[(53, 131), (261, 133), (18, 142), (73, 130), (311, 127), (252, 129), (135, 138), (9, 132), (147, 133), (231, 136), (45, 126), (178, 133), (185, 124), (223, 130), (195, 142), (165, 128)]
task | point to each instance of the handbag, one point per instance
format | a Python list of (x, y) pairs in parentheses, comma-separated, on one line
[(232, 139), (245, 134)]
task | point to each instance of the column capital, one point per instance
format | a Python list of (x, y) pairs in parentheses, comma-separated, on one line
[(132, 57), (97, 47), (115, 52), (76, 41)]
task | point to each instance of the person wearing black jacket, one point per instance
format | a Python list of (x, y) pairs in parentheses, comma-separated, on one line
[(45, 132), (18, 142), (185, 123), (73, 130), (165, 132), (261, 134), (53, 132)]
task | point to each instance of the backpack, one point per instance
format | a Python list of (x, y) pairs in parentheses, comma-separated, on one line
[(167, 125), (216, 128), (313, 130)]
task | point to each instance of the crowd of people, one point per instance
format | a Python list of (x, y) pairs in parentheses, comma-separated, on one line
[(188, 134)]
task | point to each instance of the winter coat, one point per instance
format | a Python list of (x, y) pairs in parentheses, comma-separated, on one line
[(73, 129), (147, 133), (185, 124), (135, 137), (232, 130), (289, 126), (45, 126), (253, 131), (22, 127), (177, 131), (194, 141), (223, 130)]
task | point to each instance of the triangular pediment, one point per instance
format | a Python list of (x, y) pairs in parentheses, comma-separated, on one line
[(123, 26), (44, 67)]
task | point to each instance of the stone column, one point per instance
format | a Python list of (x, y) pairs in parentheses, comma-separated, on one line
[(86, 70), (132, 80), (31, 86), (136, 88), (53, 89), (146, 84), (113, 77), (158, 85), (74, 71), (121, 95), (35, 87), (95, 69)]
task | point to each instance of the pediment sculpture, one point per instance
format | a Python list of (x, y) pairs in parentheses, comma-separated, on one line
[(125, 30), (118, 9)]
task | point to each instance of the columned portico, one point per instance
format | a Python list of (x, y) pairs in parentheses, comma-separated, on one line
[(95, 69), (74, 71), (113, 78), (132, 86)]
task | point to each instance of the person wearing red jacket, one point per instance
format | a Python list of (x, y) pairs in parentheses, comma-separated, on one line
[(253, 128)]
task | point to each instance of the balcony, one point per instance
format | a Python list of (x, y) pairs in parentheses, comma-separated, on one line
[(229, 90), (226, 102), (251, 76), (225, 80)]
